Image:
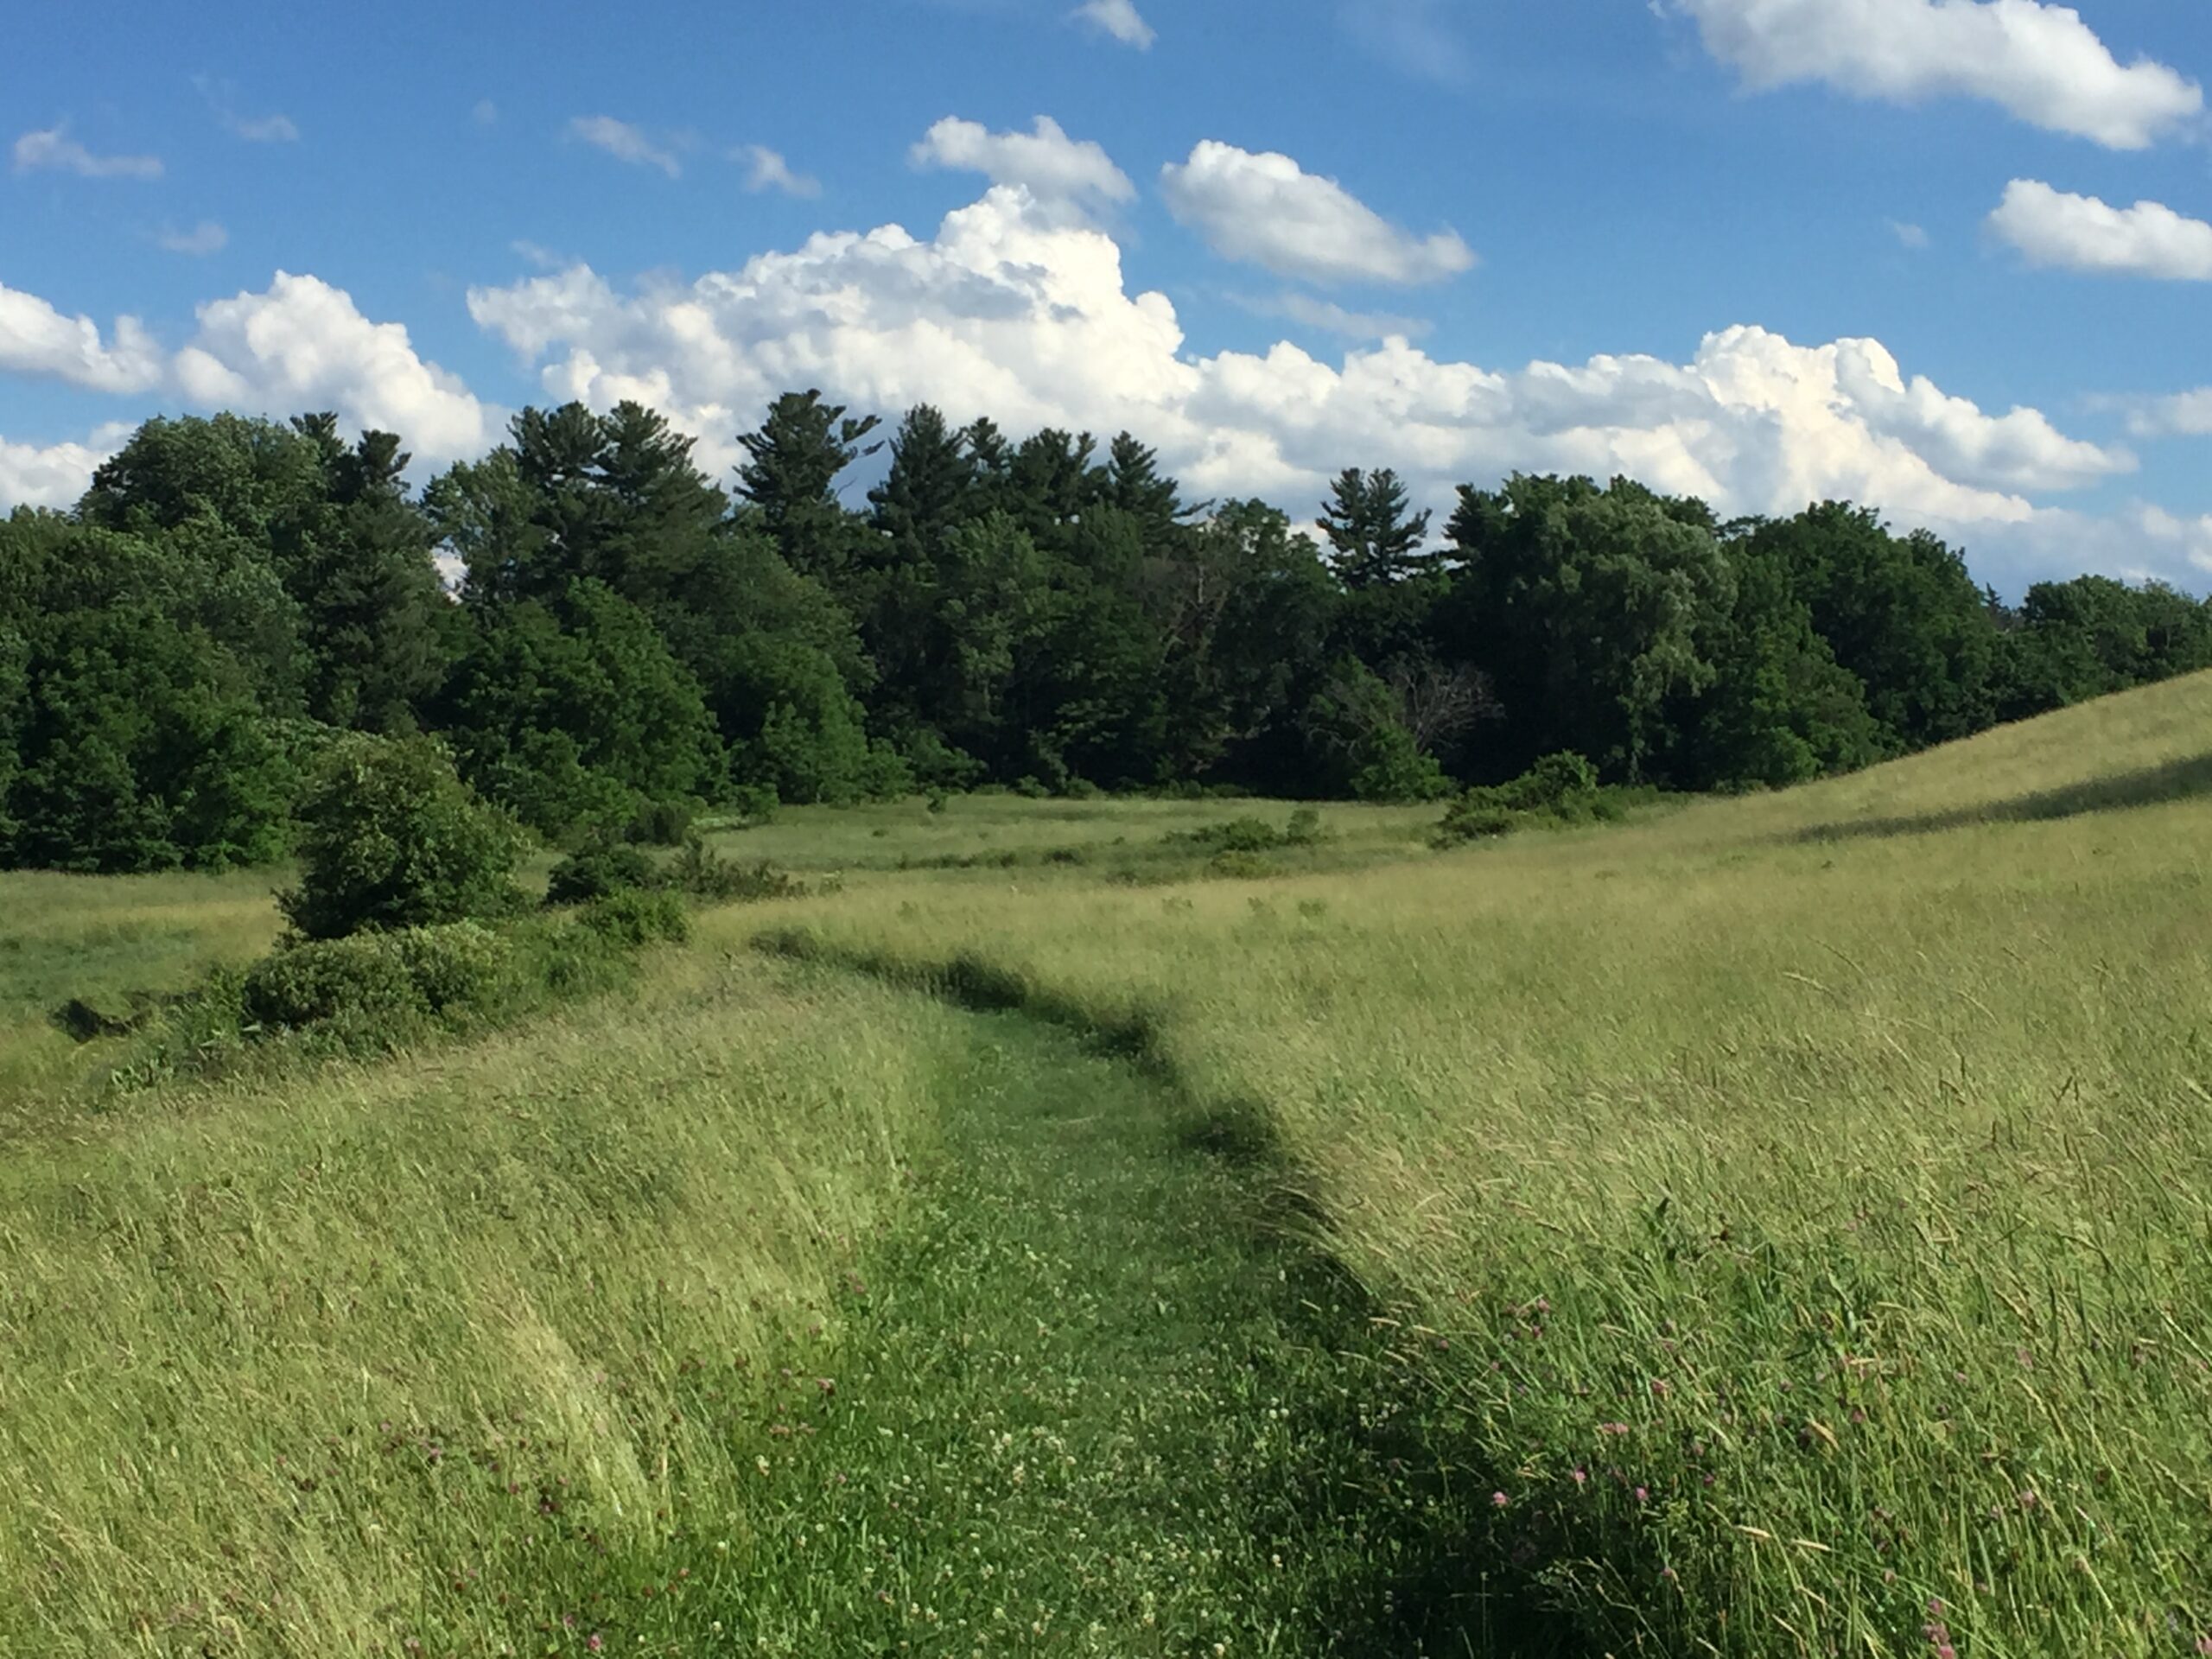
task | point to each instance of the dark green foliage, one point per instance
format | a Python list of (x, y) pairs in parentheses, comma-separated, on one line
[(660, 823), (1561, 788), (391, 838), (1376, 536), (706, 875), (637, 916), (594, 871), (573, 712), (1591, 608), (135, 746), (1900, 614), (1041, 613)]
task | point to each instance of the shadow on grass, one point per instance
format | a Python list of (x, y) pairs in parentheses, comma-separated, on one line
[(2176, 780), (1438, 1582)]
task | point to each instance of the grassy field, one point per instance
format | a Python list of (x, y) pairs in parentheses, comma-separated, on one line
[(1772, 1226)]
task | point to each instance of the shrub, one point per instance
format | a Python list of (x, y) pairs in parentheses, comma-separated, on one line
[(1564, 784), (638, 918), (393, 839), (1242, 835), (661, 823), (463, 967), (363, 982), (754, 804), (1031, 788), (1478, 816), (381, 986), (706, 875), (596, 871), (1303, 828)]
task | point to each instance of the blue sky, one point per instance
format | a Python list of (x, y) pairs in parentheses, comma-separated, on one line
[(1947, 256)]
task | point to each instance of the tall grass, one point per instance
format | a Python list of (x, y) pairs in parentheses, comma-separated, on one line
[(445, 1352), (1807, 1200)]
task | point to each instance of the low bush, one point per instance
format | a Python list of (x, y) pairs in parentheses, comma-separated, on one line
[(362, 982), (462, 968), (1558, 789), (703, 873), (596, 871), (381, 987), (638, 918)]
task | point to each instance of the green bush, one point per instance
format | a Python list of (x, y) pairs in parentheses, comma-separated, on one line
[(1478, 816), (660, 823), (463, 967), (596, 871), (1563, 785), (638, 918), (383, 986), (754, 803), (391, 839), (362, 982), (1303, 828), (706, 875)]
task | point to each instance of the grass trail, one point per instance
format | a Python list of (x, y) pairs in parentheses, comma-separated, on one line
[(1101, 1402)]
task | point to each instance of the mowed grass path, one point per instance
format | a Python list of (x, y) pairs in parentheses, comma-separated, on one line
[(1103, 1401)]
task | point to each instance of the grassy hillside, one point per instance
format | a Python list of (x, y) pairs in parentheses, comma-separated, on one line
[(1805, 1197), (1778, 1225)]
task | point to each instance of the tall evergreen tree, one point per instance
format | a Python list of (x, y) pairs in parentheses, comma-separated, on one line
[(790, 478), (1374, 538)]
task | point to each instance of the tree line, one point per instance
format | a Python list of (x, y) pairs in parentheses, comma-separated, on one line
[(593, 627)]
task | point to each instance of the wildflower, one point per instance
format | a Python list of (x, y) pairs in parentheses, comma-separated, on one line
[(1581, 1476), (1643, 1494), (596, 1642), (1498, 1500)]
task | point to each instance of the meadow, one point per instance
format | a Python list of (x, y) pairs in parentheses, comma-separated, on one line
[(1772, 1225)]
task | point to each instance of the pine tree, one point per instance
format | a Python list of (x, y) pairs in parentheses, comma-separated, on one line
[(1365, 519)]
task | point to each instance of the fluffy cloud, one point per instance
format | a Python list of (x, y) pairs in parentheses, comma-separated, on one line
[(625, 142), (1057, 171), (301, 344), (37, 339), (765, 170), (205, 237), (1118, 19), (2082, 234), (1267, 210), (1010, 312), (54, 476), (2041, 62), (298, 345), (54, 150)]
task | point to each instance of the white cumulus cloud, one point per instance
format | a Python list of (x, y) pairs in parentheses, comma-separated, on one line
[(53, 476), (54, 150), (2072, 232), (2041, 62), (1067, 175), (1120, 20), (1266, 210), (35, 339), (1011, 312), (298, 345), (767, 169), (625, 142)]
